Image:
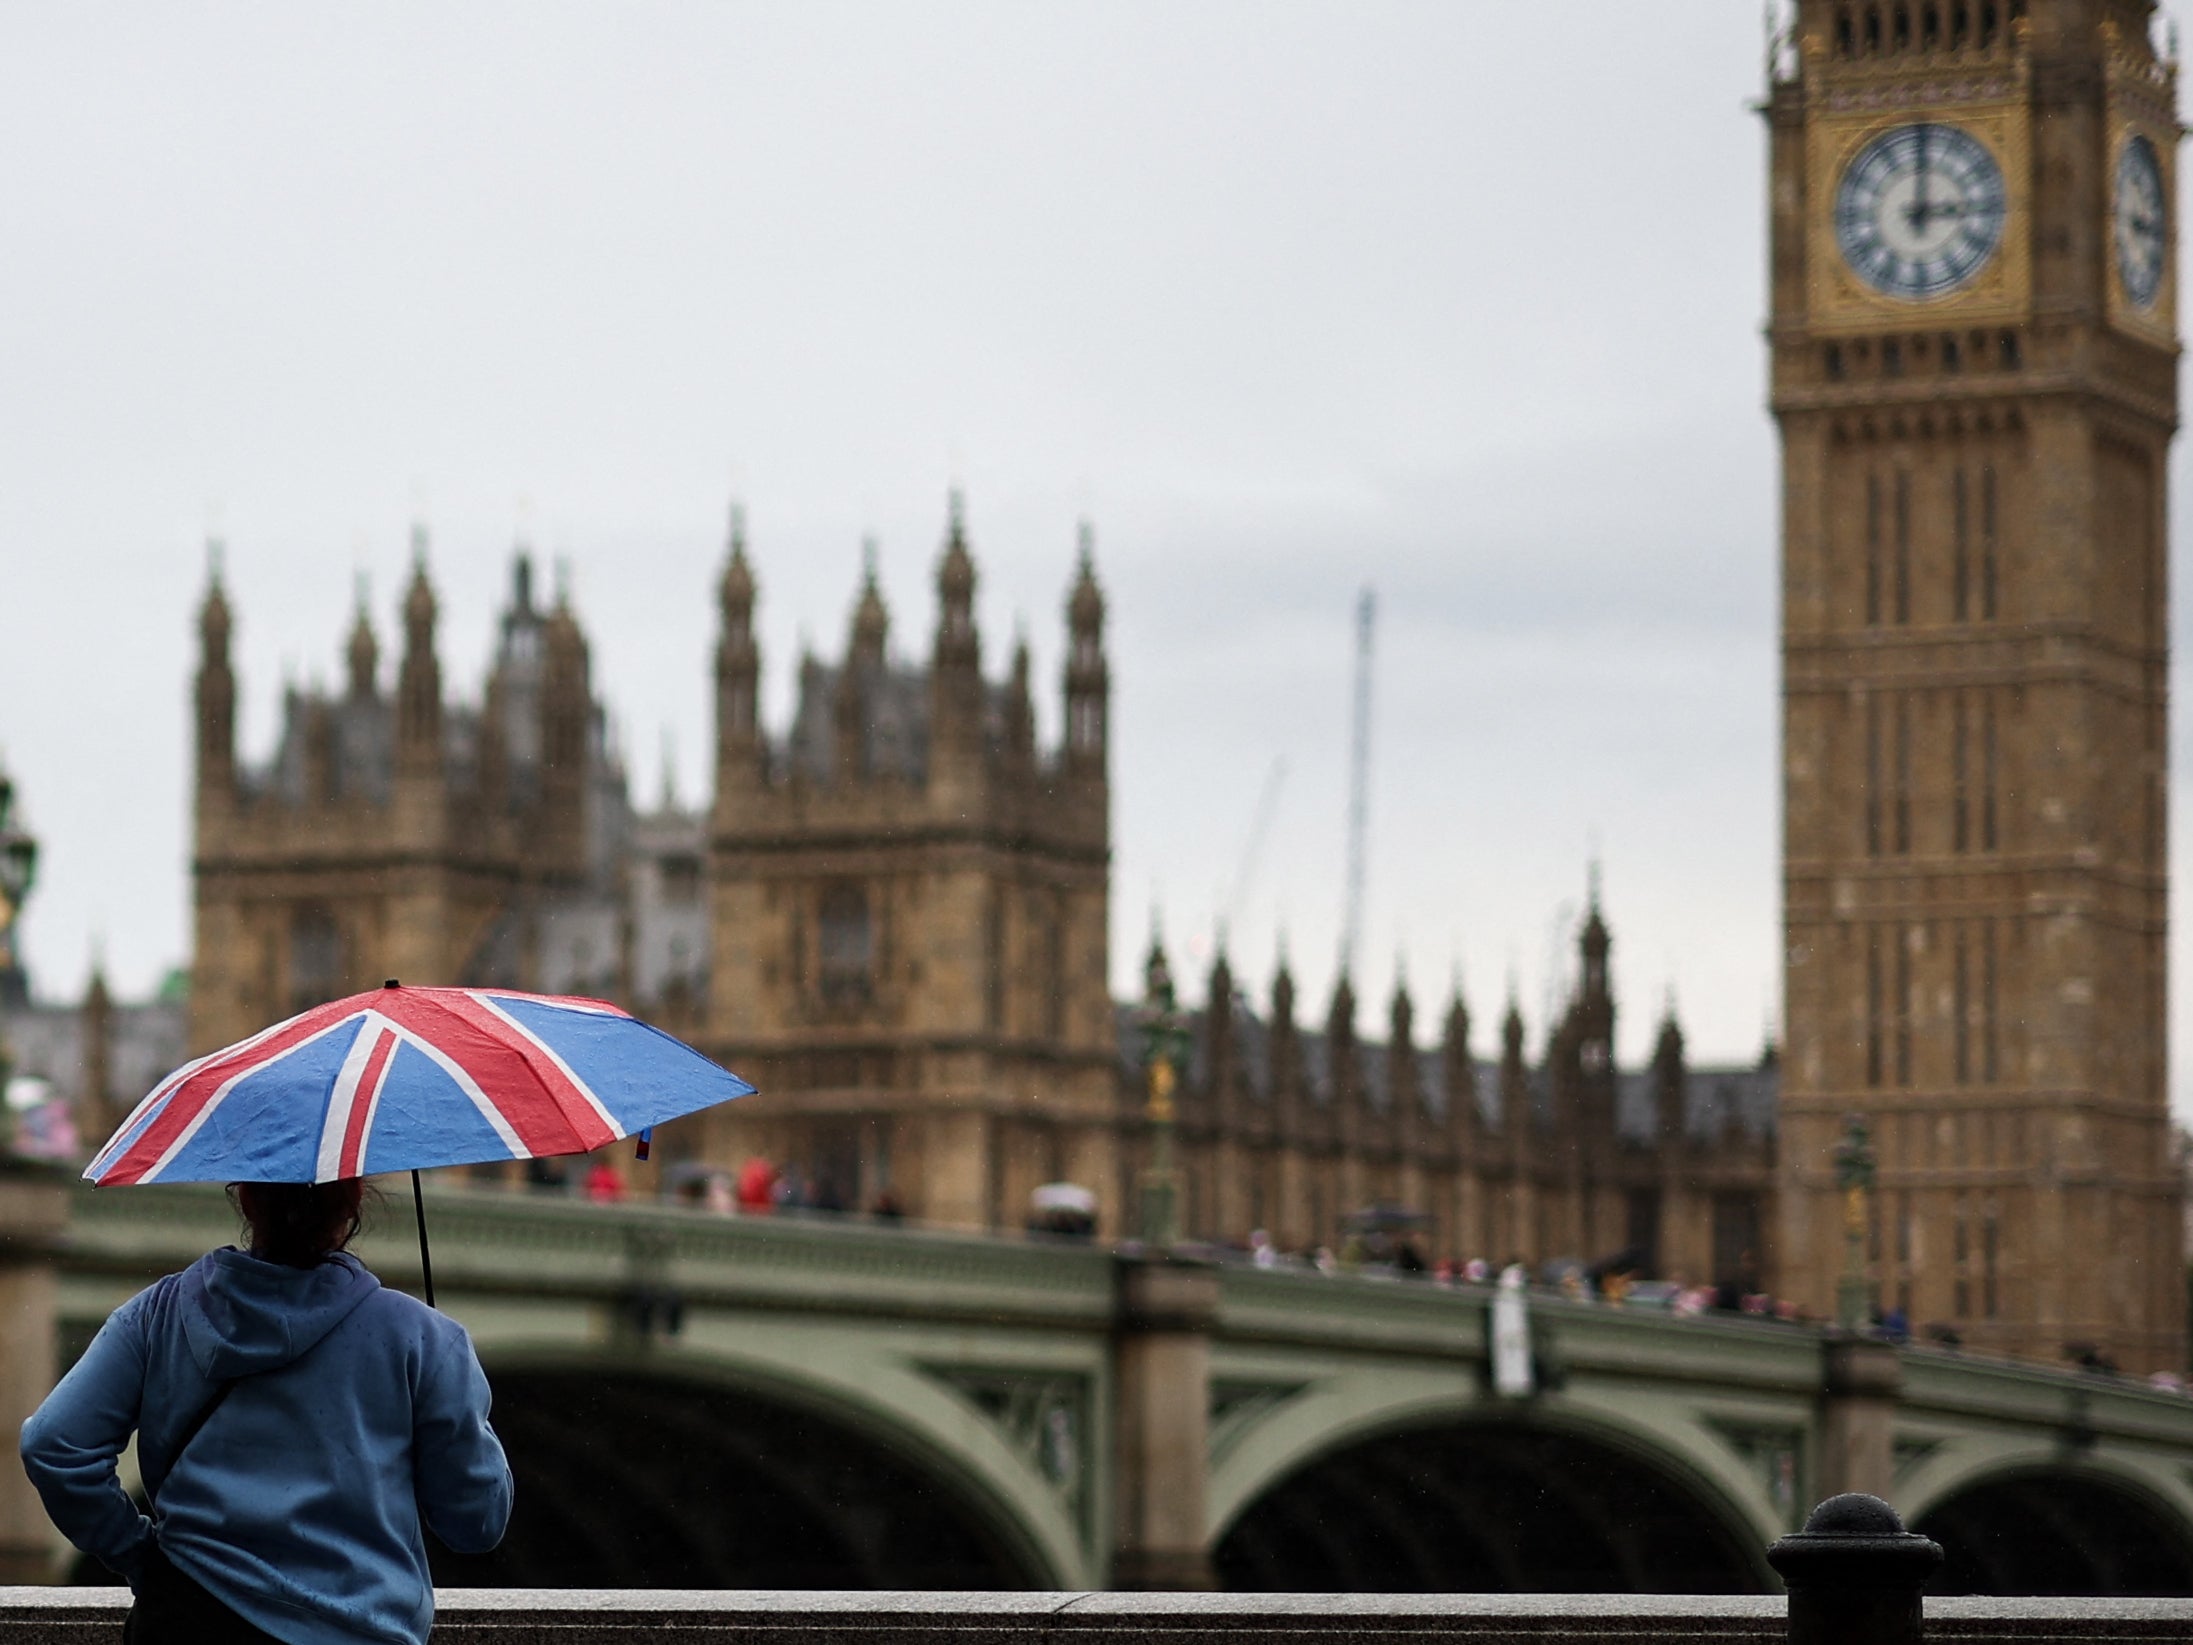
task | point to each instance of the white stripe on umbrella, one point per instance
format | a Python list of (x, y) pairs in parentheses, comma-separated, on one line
[(198, 1120), (562, 1067), (465, 1083), (344, 1097), (131, 1129)]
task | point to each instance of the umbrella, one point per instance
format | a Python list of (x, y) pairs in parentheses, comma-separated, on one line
[(405, 1079), (1064, 1196)]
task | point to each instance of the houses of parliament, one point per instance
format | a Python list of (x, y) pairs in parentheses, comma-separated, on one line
[(894, 919), (894, 914)]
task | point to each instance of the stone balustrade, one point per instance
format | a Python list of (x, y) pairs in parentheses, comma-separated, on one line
[(93, 1616)]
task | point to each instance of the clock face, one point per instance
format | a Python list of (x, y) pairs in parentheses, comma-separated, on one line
[(2138, 221), (1919, 210)]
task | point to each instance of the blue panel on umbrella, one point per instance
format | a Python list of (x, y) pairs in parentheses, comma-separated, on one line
[(642, 1075), (249, 1138), (426, 1119)]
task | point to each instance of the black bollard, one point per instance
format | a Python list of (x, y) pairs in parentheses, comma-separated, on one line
[(1854, 1574)]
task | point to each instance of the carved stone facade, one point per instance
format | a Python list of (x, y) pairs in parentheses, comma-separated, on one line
[(1293, 1129), (393, 835), (894, 918), (1975, 430), (910, 911)]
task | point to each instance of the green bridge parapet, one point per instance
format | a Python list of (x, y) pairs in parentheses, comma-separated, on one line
[(1109, 1418)]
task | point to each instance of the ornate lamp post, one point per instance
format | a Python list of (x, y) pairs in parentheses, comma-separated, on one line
[(1164, 1049), (18, 868), (1854, 1174)]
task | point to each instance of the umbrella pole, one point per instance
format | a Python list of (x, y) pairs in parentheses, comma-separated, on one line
[(426, 1262)]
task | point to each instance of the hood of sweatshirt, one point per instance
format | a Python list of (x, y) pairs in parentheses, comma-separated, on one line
[(242, 1314)]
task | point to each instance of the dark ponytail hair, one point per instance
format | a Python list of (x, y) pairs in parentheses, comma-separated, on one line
[(300, 1224)]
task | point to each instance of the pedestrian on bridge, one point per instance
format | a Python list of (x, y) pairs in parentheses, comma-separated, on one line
[(297, 1424)]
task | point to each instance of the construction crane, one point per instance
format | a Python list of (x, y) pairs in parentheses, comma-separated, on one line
[(1237, 901), (1359, 780)]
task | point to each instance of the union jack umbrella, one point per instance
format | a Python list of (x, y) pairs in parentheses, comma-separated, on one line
[(405, 1079)]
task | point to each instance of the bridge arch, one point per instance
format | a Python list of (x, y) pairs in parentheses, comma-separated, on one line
[(1455, 1496), (663, 1468), (2050, 1525)]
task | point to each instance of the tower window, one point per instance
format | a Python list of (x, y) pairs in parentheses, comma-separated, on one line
[(681, 877), (1054, 973), (1846, 37), (1903, 28), (1873, 549), (1962, 1302), (1873, 30), (1875, 1058), (1987, 543), (1832, 360), (1989, 1054), (1987, 38), (1960, 760), (1961, 1009), (993, 943), (846, 945), (1960, 548), (315, 958), (1960, 24), (1903, 546), (1930, 27), (1892, 358), (1990, 1253), (1987, 771), (1873, 776), (1953, 356), (1906, 1002), (1900, 730), (2006, 347), (1903, 1252)]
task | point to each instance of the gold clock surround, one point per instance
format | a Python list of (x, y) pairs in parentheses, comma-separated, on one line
[(2158, 321), (1841, 300)]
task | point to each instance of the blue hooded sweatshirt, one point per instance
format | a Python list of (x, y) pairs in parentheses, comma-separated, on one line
[(298, 1505)]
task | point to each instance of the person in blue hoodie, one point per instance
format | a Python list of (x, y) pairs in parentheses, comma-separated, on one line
[(296, 1426)]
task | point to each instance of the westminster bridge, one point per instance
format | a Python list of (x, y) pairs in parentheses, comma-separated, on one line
[(696, 1401)]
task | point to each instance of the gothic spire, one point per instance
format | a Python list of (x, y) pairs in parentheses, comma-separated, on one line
[(1088, 677), (419, 677), (738, 662), (364, 651), (871, 622), (956, 679), (216, 684)]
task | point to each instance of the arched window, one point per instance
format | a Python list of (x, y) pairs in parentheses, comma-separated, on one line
[(847, 946), (315, 958)]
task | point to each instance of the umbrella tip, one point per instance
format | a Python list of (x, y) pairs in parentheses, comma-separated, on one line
[(392, 983)]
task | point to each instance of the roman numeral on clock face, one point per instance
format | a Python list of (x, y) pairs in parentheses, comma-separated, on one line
[(1919, 210)]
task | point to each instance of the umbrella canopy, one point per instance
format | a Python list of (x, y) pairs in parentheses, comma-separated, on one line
[(404, 1079), (1064, 1196)]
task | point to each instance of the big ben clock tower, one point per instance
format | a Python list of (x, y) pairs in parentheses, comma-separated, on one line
[(1974, 358)]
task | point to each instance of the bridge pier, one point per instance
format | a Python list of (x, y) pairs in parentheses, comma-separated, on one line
[(34, 1208), (1861, 1380), (1164, 1312)]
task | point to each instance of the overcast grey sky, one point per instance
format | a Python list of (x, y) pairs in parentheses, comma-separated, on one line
[(1461, 301)]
